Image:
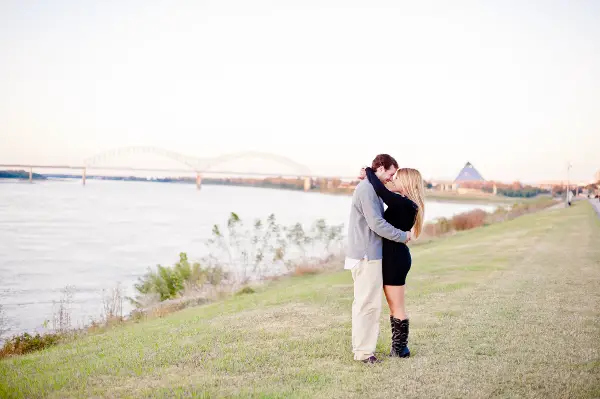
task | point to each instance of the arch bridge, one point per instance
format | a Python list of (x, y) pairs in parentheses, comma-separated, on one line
[(194, 164)]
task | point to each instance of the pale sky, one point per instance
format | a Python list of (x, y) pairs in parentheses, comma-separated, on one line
[(511, 86)]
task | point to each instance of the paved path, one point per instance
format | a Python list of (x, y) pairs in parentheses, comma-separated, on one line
[(596, 204)]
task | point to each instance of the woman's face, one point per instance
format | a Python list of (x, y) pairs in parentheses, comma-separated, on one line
[(395, 185)]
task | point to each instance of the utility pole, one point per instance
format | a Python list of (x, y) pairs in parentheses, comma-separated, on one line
[(568, 203)]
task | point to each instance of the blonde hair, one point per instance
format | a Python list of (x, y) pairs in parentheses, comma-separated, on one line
[(411, 182)]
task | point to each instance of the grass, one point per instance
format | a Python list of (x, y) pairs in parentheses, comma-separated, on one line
[(507, 310), (482, 198)]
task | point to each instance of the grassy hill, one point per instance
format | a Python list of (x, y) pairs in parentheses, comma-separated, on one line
[(510, 310)]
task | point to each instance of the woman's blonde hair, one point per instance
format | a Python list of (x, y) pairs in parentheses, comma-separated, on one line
[(411, 183)]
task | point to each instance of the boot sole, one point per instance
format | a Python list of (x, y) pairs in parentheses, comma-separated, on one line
[(402, 356)]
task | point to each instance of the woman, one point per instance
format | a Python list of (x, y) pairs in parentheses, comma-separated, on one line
[(405, 211)]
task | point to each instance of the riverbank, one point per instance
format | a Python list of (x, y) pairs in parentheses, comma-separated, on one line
[(483, 307), (271, 183)]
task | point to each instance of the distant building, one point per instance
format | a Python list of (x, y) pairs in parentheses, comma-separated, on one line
[(468, 174), (597, 176), (468, 177), (469, 180)]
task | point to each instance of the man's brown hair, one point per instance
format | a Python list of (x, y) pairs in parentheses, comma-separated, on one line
[(385, 160)]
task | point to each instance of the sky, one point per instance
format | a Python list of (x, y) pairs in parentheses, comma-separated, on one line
[(512, 87)]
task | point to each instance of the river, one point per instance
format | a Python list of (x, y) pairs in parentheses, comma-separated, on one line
[(57, 233)]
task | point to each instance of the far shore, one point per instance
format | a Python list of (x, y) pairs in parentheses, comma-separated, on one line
[(432, 195)]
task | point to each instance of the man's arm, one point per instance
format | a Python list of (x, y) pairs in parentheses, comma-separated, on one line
[(376, 222)]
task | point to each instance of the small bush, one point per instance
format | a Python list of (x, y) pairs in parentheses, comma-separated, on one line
[(171, 282), (442, 226), (245, 290), (25, 343), (468, 220), (304, 270), (137, 316)]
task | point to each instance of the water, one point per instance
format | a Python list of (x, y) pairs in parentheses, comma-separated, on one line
[(58, 233)]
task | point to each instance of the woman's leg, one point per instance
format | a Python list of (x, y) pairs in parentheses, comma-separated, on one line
[(394, 294)]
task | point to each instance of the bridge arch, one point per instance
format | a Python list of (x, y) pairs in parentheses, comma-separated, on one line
[(298, 168), (190, 162), (193, 163)]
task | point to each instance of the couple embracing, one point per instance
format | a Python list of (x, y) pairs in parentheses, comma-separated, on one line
[(377, 254)]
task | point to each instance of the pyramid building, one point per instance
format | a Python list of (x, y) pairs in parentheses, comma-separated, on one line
[(468, 174)]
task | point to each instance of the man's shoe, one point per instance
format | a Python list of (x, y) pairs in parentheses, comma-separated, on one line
[(371, 360)]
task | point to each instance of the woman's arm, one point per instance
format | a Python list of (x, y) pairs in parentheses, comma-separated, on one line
[(386, 195), (390, 198)]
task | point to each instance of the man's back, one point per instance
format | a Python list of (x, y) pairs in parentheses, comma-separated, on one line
[(362, 240)]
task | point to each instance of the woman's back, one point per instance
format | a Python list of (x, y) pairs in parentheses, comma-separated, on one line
[(401, 214)]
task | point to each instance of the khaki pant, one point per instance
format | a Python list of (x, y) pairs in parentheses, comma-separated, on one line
[(366, 308)]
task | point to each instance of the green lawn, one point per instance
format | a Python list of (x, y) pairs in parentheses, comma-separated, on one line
[(509, 310), (453, 196)]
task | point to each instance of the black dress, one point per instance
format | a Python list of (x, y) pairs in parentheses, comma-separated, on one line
[(401, 213)]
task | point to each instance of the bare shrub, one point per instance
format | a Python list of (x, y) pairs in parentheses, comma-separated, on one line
[(112, 305), (268, 248), (61, 320), (3, 323)]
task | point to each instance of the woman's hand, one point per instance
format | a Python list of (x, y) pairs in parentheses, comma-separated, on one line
[(362, 174)]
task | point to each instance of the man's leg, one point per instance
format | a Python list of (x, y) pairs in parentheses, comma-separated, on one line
[(366, 308)]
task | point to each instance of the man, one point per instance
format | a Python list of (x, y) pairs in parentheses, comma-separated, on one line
[(363, 258)]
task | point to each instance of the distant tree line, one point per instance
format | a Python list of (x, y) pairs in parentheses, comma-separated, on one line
[(515, 189), (19, 174), (525, 192)]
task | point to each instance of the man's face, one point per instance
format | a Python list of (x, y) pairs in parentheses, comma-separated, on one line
[(385, 175)]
